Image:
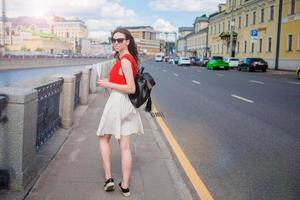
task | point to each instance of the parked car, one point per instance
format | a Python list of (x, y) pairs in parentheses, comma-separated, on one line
[(171, 60), (253, 64), (158, 58), (233, 62), (298, 73), (195, 60), (176, 60), (217, 62), (166, 59), (202, 62), (184, 61)]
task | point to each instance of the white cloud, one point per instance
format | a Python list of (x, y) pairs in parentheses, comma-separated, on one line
[(164, 26), (101, 16), (185, 5)]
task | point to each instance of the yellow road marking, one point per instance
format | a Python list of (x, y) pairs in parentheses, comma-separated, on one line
[(198, 184)]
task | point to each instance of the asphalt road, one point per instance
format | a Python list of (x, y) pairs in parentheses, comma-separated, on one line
[(240, 130)]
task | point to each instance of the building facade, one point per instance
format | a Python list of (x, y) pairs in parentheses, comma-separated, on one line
[(72, 31), (94, 47), (49, 35), (243, 18), (146, 39), (193, 40), (290, 35)]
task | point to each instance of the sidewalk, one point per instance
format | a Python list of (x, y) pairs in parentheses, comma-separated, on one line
[(75, 173)]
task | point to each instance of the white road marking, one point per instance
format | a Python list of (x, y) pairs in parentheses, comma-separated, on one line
[(176, 74), (220, 74), (259, 82), (197, 82), (164, 70), (296, 83), (242, 98)]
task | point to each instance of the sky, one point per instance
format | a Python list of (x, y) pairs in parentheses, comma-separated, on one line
[(103, 16)]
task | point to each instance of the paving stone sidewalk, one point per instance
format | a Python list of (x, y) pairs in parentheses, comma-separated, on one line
[(75, 173)]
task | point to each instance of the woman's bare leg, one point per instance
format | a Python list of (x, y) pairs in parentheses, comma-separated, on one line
[(126, 159), (105, 151)]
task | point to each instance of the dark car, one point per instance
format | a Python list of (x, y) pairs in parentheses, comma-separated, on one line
[(202, 62), (194, 60), (253, 64)]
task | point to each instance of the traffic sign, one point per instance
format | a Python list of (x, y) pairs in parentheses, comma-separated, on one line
[(254, 34)]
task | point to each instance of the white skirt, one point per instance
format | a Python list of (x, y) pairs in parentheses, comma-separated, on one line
[(120, 117)]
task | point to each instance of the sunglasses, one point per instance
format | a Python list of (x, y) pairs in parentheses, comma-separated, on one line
[(118, 40)]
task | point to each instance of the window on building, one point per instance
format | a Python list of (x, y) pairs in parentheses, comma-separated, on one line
[(219, 27), (228, 25), (260, 45), (238, 47), (246, 20), (271, 12), (290, 43), (144, 35), (252, 47), (269, 44), (215, 29), (292, 7), (262, 15), (254, 18), (240, 21), (218, 48), (222, 48), (245, 46), (223, 29), (233, 24)]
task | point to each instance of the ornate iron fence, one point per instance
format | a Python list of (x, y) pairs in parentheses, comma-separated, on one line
[(3, 103), (77, 89), (48, 110)]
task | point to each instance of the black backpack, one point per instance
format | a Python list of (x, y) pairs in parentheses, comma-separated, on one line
[(143, 84)]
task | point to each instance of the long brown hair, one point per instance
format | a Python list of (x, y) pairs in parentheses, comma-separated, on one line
[(131, 47)]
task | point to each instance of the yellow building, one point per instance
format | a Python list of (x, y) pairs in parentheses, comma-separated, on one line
[(145, 38), (290, 35), (71, 31), (182, 41), (242, 17), (192, 41)]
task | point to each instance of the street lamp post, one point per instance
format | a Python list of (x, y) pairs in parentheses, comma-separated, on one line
[(2, 49), (231, 32)]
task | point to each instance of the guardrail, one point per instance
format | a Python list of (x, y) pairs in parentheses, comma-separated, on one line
[(48, 110), (34, 114), (3, 103), (4, 173), (77, 89)]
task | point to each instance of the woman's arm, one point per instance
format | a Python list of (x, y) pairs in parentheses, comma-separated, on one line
[(129, 87)]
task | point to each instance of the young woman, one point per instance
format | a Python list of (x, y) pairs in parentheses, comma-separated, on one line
[(120, 118)]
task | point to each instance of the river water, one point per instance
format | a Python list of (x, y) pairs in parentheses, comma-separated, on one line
[(16, 78)]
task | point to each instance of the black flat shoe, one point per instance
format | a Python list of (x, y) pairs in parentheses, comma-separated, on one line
[(125, 192), (109, 185)]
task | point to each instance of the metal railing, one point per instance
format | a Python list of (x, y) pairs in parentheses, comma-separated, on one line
[(48, 110), (3, 104), (77, 89)]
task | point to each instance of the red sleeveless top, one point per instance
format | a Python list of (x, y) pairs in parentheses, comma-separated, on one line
[(114, 75)]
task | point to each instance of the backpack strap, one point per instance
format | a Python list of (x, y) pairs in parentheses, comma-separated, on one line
[(148, 107)]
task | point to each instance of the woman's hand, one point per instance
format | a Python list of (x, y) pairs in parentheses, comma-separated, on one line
[(104, 83)]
